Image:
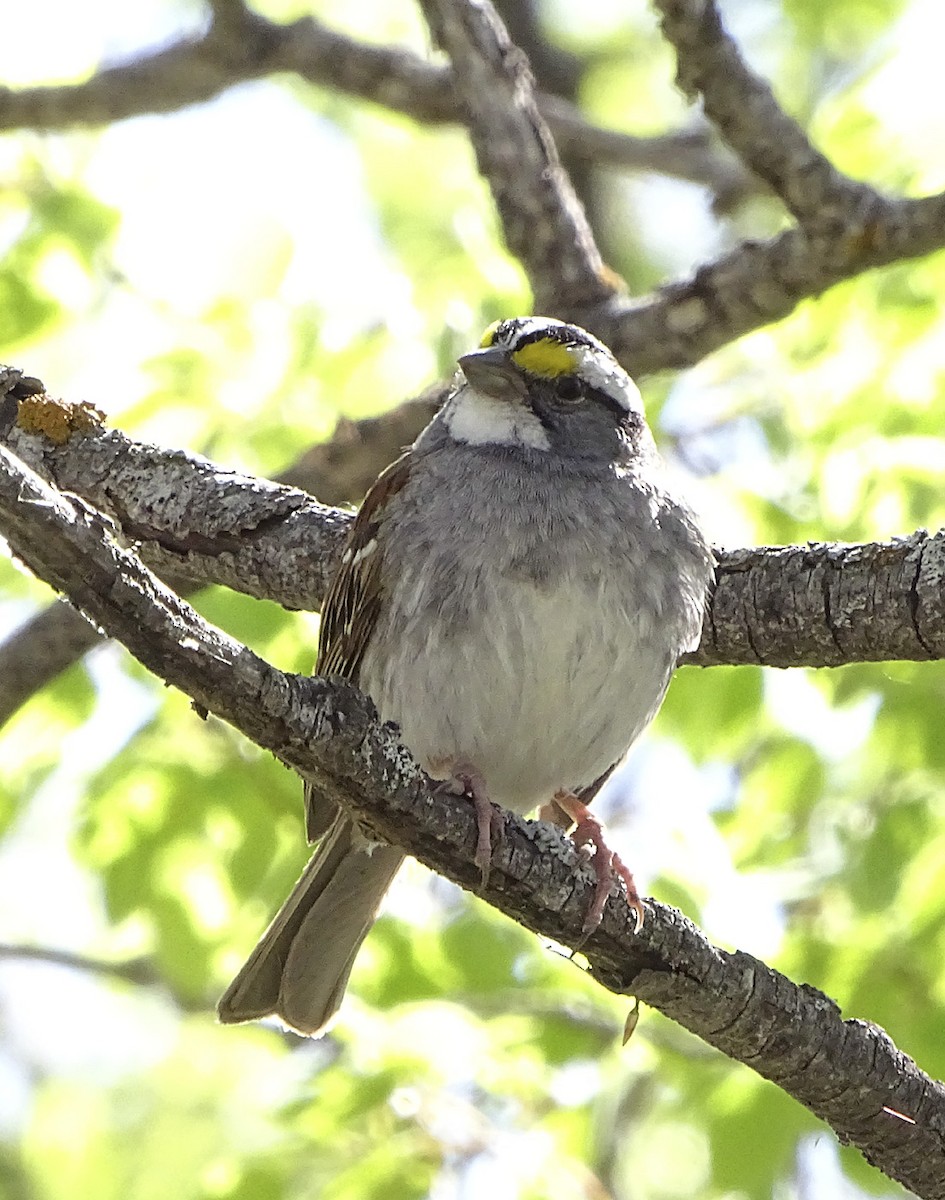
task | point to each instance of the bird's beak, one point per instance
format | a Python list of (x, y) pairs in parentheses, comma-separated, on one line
[(493, 372)]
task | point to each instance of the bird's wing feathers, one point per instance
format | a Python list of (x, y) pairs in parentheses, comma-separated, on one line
[(351, 610), (353, 602)]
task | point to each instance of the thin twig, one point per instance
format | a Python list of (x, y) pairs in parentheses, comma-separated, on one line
[(138, 971)]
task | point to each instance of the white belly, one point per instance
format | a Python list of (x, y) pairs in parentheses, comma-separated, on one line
[(538, 696)]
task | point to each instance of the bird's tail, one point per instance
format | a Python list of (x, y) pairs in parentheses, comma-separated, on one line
[(300, 967)]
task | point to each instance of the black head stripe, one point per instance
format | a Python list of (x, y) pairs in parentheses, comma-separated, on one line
[(568, 335)]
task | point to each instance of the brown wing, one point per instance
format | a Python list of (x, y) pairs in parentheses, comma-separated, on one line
[(351, 609), (353, 601)]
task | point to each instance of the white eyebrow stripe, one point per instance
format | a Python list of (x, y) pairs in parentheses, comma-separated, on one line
[(530, 325), (606, 375)]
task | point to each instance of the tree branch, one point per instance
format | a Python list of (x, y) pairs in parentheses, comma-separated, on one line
[(744, 289), (760, 282), (824, 604), (689, 154), (190, 519), (827, 604), (544, 223), (847, 1072), (195, 70), (40, 649), (743, 108), (138, 971), (339, 471)]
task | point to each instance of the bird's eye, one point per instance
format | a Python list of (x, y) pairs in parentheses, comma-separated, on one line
[(568, 387)]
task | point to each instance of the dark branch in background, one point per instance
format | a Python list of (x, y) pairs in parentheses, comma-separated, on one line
[(558, 69), (341, 470), (847, 1072), (691, 154), (750, 286), (40, 649), (542, 218), (138, 971), (846, 227)]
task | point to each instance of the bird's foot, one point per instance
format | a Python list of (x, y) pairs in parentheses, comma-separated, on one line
[(465, 779), (607, 864)]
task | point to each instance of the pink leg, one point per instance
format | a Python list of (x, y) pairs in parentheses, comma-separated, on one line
[(589, 831), (468, 780)]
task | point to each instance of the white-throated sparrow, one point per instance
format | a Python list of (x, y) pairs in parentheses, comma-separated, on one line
[(515, 593)]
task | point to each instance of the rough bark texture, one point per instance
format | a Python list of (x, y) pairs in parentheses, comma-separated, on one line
[(195, 524), (190, 518), (827, 604)]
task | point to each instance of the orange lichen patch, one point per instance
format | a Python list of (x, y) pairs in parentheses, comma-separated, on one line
[(58, 420)]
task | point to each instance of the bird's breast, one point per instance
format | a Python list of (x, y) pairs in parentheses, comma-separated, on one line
[(540, 685)]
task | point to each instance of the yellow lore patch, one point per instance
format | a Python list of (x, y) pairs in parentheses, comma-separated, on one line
[(488, 338), (547, 357)]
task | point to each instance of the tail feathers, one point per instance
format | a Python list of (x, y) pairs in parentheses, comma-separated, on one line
[(300, 967)]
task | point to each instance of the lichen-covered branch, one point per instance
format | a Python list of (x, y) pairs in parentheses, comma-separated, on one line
[(848, 1072), (189, 518)]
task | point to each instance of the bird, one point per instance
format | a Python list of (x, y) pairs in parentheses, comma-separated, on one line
[(514, 595)]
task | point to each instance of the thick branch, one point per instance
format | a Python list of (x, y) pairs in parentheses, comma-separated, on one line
[(848, 1072), (544, 223), (746, 113), (196, 524), (760, 282), (193, 520), (339, 471), (828, 604)]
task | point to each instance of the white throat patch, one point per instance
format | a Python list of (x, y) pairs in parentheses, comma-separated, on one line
[(480, 420)]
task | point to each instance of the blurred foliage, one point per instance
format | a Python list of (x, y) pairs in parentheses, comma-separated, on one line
[(331, 260)]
